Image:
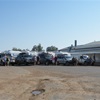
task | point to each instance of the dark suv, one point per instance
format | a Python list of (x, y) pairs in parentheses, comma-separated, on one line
[(25, 59), (45, 58)]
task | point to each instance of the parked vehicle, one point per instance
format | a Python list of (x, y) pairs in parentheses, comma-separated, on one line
[(24, 58), (2, 58), (45, 58), (11, 55), (12, 60), (64, 59), (85, 60)]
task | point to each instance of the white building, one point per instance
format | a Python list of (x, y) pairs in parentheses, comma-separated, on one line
[(92, 49)]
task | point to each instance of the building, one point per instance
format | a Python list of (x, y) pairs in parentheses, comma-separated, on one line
[(92, 49)]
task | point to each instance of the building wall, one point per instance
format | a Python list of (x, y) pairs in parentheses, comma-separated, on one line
[(92, 49)]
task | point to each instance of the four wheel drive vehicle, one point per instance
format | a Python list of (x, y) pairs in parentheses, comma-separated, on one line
[(85, 60), (2, 58), (45, 58), (24, 59), (12, 60), (64, 59)]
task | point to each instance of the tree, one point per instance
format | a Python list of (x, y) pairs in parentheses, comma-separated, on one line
[(40, 48), (19, 49), (34, 48), (37, 48), (52, 48), (27, 50), (14, 49), (23, 50)]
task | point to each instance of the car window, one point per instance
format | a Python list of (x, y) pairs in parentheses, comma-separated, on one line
[(27, 55), (81, 57), (41, 56), (68, 57), (48, 56), (85, 57)]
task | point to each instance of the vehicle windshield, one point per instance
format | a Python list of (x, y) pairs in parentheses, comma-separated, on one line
[(2, 55), (48, 56), (66, 56), (27, 55), (85, 57)]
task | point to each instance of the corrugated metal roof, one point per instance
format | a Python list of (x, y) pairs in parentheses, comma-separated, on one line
[(89, 45), (87, 52)]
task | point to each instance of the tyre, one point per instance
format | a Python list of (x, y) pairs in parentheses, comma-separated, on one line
[(85, 63), (26, 63), (12, 64), (33, 63), (93, 63), (67, 64), (57, 63), (46, 63)]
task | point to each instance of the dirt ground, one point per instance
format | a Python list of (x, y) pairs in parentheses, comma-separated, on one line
[(17, 83)]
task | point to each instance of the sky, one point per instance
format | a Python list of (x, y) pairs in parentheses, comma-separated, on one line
[(25, 23)]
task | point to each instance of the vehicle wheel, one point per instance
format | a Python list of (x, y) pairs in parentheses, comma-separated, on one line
[(75, 64), (34, 63), (93, 63), (26, 63), (12, 64), (46, 63), (85, 63), (57, 63), (67, 64), (18, 64)]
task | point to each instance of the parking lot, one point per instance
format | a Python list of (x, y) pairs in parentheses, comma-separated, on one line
[(57, 82)]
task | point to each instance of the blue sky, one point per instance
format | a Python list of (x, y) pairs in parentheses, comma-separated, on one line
[(25, 23)]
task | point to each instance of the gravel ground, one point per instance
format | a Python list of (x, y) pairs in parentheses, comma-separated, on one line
[(54, 82)]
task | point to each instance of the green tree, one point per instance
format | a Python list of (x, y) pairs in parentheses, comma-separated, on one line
[(14, 49), (37, 48), (19, 49), (40, 48), (27, 50), (34, 48), (52, 48)]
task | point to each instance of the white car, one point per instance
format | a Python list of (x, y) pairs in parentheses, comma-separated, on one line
[(85, 60), (64, 59)]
